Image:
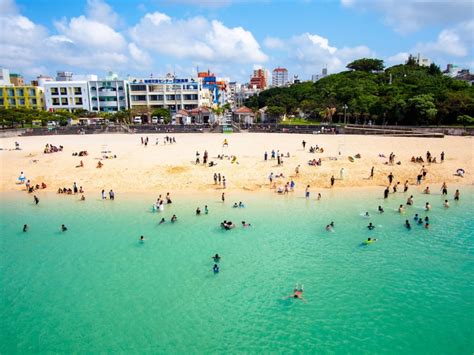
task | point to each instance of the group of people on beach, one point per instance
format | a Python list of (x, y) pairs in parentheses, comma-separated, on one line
[(49, 148)]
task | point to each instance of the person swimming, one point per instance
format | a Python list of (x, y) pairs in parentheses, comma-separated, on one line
[(410, 200), (142, 238), (297, 293), (381, 209), (198, 211), (235, 205), (63, 228), (370, 226), (25, 228), (407, 224), (446, 204), (227, 225), (215, 268), (416, 217), (162, 221), (369, 241), (367, 214), (206, 211), (216, 258), (427, 206), (241, 205), (245, 224), (420, 221), (329, 228), (174, 218), (331, 224), (401, 209)]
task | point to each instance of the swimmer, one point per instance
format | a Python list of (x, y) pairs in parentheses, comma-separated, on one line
[(241, 205), (410, 200), (198, 211), (245, 224), (297, 293), (162, 221), (329, 228), (381, 209), (331, 224), (206, 211), (427, 190), (215, 268), (63, 228), (407, 224), (427, 206), (427, 225), (216, 258), (366, 214), (416, 217), (142, 238), (370, 241), (446, 204), (235, 205), (36, 199), (83, 198), (25, 228), (401, 209), (427, 219), (370, 226), (420, 221), (174, 218)]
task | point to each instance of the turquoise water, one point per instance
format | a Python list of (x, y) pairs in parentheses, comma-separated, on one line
[(95, 288)]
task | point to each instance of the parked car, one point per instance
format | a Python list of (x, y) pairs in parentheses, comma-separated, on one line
[(154, 120), (137, 120)]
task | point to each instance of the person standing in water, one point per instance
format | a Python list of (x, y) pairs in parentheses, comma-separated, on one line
[(36, 199), (386, 192), (456, 195), (444, 188), (306, 191), (25, 228), (63, 228)]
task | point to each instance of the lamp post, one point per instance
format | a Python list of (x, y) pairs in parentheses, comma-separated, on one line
[(345, 107)]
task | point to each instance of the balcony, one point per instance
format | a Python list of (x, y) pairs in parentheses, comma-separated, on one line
[(108, 103)]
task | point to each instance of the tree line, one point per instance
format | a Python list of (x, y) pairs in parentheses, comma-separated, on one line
[(406, 94)]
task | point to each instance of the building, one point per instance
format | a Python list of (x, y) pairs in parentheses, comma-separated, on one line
[(28, 96), (17, 79), (5, 77), (67, 95), (316, 77), (170, 92), (419, 60), (109, 95), (259, 80), (279, 77), (244, 115)]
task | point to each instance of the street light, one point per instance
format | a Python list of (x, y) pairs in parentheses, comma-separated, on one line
[(345, 107)]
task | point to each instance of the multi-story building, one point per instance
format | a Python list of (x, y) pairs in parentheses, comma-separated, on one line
[(279, 77), (259, 80), (28, 96), (109, 95), (171, 92), (67, 95), (5, 77), (17, 79), (316, 77)]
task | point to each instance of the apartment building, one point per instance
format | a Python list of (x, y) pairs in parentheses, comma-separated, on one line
[(28, 96), (66, 95)]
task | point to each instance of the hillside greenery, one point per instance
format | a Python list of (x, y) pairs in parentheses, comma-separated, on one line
[(403, 94)]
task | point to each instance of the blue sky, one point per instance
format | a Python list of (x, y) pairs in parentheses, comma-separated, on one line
[(229, 37)]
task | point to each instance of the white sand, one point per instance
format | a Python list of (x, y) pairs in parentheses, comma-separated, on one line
[(171, 167)]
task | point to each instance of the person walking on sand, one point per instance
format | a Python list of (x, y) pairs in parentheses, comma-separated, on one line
[(405, 186), (36, 199), (215, 178), (306, 192), (390, 178), (332, 180), (341, 174), (223, 197), (223, 182), (303, 143), (442, 157), (265, 156), (371, 173), (104, 197), (297, 170)]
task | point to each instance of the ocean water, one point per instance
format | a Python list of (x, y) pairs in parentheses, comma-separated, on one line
[(96, 288)]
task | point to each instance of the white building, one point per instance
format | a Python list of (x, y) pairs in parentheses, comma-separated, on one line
[(66, 95), (316, 77), (170, 92), (5, 77), (109, 95), (279, 77)]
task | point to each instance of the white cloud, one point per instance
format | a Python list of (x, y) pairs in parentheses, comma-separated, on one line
[(8, 7), (139, 56), (407, 16), (197, 39), (456, 41), (273, 43), (89, 33), (309, 53), (100, 11)]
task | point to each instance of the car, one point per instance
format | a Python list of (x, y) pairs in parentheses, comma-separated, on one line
[(52, 123), (154, 120), (137, 120)]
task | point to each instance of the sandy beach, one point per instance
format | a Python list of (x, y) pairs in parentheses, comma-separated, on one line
[(171, 167)]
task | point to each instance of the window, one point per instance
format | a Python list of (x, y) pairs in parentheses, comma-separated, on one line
[(11, 92), (138, 97), (94, 108), (93, 88), (55, 101), (54, 91), (2, 102), (78, 100), (138, 87), (20, 92), (156, 97), (31, 92), (120, 88), (64, 101), (63, 91), (77, 91), (21, 101), (173, 97), (1, 91), (11, 101)]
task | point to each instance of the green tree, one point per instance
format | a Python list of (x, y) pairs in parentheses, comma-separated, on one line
[(162, 113), (423, 107), (465, 120), (366, 64)]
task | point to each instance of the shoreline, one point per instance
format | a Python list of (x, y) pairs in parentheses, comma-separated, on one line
[(171, 167)]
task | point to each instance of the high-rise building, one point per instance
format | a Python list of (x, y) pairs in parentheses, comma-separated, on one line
[(67, 95), (279, 77), (259, 80), (17, 79)]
